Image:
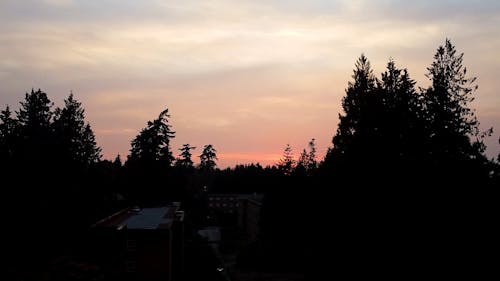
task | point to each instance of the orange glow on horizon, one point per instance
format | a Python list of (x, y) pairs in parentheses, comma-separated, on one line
[(264, 159), (229, 160)]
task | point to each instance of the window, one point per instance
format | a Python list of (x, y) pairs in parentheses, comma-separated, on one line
[(131, 266), (131, 245)]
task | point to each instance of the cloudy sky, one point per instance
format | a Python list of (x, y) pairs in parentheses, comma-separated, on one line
[(246, 76)]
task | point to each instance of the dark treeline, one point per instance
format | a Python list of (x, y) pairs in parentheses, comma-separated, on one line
[(46, 157), (409, 186), (405, 184)]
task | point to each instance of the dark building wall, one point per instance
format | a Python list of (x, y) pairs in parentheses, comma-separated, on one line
[(178, 249), (140, 254), (249, 217), (152, 256), (252, 219)]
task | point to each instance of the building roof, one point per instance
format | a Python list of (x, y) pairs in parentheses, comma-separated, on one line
[(136, 218)]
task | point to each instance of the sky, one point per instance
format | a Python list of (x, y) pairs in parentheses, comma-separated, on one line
[(247, 77)]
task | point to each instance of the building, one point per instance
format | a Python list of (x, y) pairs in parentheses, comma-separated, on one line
[(249, 216), (142, 244), (225, 202), (239, 210)]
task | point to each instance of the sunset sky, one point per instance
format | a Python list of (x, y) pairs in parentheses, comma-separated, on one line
[(246, 76)]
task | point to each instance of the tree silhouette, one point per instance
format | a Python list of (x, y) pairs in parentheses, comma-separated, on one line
[(185, 157), (302, 162), (118, 161), (44, 151), (382, 133), (453, 129), (149, 162), (75, 137), (36, 144), (356, 107), (312, 163), (410, 162), (307, 160), (207, 158), (8, 135), (153, 142), (287, 164), (400, 142), (35, 113), (496, 170), (358, 130)]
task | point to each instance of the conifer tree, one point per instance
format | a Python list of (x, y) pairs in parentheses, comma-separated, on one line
[(75, 137), (152, 144), (185, 156), (287, 164), (208, 157)]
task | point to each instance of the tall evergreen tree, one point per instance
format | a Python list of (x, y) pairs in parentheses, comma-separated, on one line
[(382, 125), (185, 157), (75, 137), (287, 164), (149, 162), (35, 113), (152, 144), (37, 140), (356, 107), (453, 133), (8, 135), (358, 127), (208, 157), (90, 152), (401, 115)]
